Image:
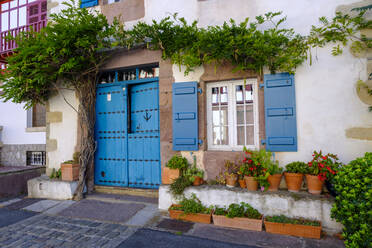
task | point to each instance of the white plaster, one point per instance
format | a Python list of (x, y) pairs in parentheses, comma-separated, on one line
[(13, 118), (179, 74), (43, 187), (64, 132), (266, 203)]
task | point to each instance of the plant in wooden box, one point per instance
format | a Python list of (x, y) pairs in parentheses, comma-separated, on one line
[(320, 168), (173, 168), (191, 209), (70, 169), (275, 176), (195, 175), (294, 174), (242, 216), (290, 226)]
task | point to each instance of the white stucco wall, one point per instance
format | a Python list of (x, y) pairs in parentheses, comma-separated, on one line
[(13, 118), (65, 132)]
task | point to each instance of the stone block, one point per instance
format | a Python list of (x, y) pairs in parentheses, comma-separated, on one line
[(51, 145), (54, 117), (43, 187)]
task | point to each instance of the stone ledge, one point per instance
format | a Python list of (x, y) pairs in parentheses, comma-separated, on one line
[(35, 129), (44, 187), (300, 205)]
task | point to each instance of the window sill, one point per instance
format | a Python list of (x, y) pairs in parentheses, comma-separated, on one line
[(35, 129)]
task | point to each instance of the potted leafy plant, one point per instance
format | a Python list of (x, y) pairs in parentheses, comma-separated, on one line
[(231, 175), (195, 175), (320, 168), (173, 168), (281, 224), (70, 169), (241, 216), (294, 173), (275, 176), (191, 209), (241, 174)]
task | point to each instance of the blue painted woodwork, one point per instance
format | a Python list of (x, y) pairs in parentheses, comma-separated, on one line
[(185, 116), (144, 136), (280, 112), (127, 134), (88, 3), (111, 137)]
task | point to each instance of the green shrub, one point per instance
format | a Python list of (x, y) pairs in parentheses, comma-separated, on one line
[(192, 205), (285, 219), (353, 204), (179, 185), (236, 210), (177, 162), (296, 167), (193, 172)]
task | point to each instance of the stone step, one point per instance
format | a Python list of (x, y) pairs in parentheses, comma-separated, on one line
[(127, 191)]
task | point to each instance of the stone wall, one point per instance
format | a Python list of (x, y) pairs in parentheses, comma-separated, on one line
[(15, 155)]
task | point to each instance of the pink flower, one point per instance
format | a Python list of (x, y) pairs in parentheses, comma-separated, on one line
[(262, 188)]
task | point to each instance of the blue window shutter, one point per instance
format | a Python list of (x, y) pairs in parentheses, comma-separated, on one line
[(280, 112), (185, 116), (88, 3)]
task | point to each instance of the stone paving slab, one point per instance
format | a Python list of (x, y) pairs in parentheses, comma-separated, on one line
[(134, 198), (8, 202), (9, 217), (42, 206), (104, 211), (262, 239), (59, 207), (23, 203), (144, 238), (142, 217), (175, 225)]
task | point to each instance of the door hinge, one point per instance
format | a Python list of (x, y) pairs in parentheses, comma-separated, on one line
[(200, 90), (263, 141), (200, 142), (262, 85)]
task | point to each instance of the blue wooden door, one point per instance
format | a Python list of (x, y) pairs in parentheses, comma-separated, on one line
[(111, 167), (143, 139)]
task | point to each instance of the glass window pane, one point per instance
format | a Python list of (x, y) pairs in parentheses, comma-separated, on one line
[(239, 94), (224, 115), (4, 21), (13, 19), (248, 93), (240, 134), (249, 114), (215, 95), (223, 91), (13, 4), (250, 135), (4, 6), (22, 2), (240, 114), (216, 116), (224, 136), (30, 1), (22, 16), (216, 135)]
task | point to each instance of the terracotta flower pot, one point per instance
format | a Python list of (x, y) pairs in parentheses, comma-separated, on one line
[(237, 222), (70, 172), (314, 184), (242, 183), (293, 181), (251, 183), (180, 215), (293, 229), (231, 180), (198, 181), (168, 175), (274, 181)]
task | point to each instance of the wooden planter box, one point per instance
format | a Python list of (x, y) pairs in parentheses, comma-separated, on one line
[(70, 172), (294, 229), (237, 222), (180, 215), (168, 175)]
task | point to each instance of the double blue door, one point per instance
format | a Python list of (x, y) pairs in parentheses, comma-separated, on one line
[(127, 135)]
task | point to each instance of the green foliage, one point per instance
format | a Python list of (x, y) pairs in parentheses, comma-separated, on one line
[(236, 210), (284, 219), (323, 166), (177, 162), (76, 157), (179, 185), (192, 205), (274, 169), (353, 203), (296, 167), (193, 172), (56, 174)]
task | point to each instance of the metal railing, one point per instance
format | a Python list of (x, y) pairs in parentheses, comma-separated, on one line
[(8, 45)]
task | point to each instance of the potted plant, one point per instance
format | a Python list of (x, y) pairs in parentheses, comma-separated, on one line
[(275, 176), (195, 175), (70, 169), (281, 224), (241, 180), (320, 168), (241, 216), (191, 209), (231, 176), (173, 169), (294, 173)]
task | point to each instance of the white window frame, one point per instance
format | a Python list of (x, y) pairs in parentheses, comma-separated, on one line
[(232, 118)]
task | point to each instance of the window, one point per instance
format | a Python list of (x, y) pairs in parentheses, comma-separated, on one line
[(35, 158), (232, 115), (36, 116)]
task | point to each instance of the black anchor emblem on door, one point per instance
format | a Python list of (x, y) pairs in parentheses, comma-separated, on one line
[(147, 117)]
